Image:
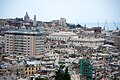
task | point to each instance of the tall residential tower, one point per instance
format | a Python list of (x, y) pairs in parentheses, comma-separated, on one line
[(24, 42)]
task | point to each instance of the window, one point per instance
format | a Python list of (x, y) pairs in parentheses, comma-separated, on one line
[(10, 36)]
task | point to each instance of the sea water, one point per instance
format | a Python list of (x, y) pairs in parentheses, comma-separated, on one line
[(108, 26)]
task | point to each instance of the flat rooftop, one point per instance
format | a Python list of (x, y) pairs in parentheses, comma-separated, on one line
[(23, 30)]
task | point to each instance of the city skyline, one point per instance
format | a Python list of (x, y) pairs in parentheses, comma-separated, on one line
[(59, 40), (75, 11)]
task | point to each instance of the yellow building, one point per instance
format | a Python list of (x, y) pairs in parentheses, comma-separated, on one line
[(30, 70)]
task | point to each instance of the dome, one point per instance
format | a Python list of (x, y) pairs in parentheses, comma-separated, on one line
[(23, 27)]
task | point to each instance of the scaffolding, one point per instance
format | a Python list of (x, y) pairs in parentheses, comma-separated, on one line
[(85, 69)]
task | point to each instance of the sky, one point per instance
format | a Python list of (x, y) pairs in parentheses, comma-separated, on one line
[(75, 11)]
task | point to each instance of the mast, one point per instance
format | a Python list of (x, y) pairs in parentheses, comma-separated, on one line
[(105, 24), (98, 22)]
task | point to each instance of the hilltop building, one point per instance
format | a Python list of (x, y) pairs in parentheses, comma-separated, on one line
[(34, 21), (62, 22), (26, 17)]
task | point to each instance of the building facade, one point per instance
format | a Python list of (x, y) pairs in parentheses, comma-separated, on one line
[(63, 22), (117, 41), (85, 70), (24, 42), (72, 38), (63, 36), (89, 42), (28, 68)]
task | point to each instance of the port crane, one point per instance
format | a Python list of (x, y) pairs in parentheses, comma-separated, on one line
[(115, 25)]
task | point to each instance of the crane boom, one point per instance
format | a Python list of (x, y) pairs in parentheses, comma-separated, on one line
[(115, 25)]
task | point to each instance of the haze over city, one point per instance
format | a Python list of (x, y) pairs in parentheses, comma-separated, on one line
[(75, 11), (59, 40)]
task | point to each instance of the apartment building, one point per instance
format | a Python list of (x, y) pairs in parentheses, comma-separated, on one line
[(117, 41), (28, 42)]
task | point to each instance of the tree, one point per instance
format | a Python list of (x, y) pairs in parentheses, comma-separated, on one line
[(62, 75), (66, 75), (41, 79), (59, 74)]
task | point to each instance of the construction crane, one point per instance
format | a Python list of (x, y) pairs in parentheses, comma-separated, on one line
[(115, 25)]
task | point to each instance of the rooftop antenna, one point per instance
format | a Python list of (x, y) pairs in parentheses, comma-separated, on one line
[(107, 28), (105, 24), (98, 22), (77, 21)]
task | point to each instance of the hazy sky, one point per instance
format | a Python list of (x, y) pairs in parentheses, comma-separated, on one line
[(73, 10)]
